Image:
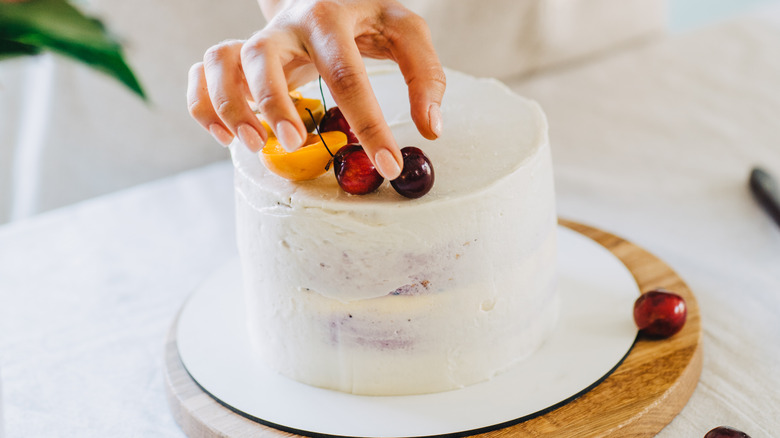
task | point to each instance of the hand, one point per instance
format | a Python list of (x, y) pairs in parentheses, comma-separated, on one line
[(305, 37)]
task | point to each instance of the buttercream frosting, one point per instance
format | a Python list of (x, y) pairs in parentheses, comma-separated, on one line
[(379, 294)]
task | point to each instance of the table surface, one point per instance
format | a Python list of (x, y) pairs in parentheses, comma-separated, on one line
[(654, 145)]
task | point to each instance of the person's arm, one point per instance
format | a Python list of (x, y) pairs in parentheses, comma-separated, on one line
[(307, 37)]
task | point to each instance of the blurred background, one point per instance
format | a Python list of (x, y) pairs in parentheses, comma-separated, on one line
[(689, 14), (68, 133)]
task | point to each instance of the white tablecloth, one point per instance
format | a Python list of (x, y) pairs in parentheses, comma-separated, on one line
[(87, 296), (654, 145)]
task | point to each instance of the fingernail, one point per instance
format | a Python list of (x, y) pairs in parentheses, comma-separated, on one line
[(222, 135), (288, 136), (434, 119), (250, 137), (387, 165)]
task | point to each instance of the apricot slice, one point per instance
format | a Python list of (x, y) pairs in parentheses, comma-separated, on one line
[(301, 104), (308, 162)]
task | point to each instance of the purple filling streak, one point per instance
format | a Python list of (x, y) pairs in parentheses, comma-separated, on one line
[(350, 331), (418, 288)]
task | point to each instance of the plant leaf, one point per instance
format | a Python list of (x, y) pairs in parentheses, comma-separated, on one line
[(29, 26), (9, 49)]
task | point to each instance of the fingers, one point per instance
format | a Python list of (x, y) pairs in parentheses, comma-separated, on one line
[(412, 48), (264, 72), (337, 58), (228, 92), (201, 109), (332, 37)]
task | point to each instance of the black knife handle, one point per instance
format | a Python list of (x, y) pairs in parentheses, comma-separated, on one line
[(766, 191)]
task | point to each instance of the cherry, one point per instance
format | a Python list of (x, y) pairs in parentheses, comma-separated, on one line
[(334, 120), (726, 432), (354, 171), (416, 178), (659, 313)]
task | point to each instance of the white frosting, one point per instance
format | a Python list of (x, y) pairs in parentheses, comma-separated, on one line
[(379, 294)]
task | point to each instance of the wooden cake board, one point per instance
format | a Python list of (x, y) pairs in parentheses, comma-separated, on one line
[(638, 399)]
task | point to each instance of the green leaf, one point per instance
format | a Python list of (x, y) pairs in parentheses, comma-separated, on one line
[(9, 49), (29, 26)]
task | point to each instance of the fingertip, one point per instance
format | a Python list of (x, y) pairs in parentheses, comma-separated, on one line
[(289, 136), (222, 135), (250, 137), (387, 164), (434, 119), (426, 108)]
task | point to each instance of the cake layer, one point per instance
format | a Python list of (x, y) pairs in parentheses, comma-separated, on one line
[(407, 343), (444, 290)]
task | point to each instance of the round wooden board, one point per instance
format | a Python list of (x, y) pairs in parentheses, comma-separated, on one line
[(638, 399)]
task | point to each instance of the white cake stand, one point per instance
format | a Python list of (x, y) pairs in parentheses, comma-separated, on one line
[(595, 334)]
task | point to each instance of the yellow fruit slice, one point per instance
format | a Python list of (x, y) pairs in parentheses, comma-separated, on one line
[(301, 104), (308, 162), (317, 110)]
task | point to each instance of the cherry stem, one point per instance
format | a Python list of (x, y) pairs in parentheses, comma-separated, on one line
[(317, 128), (324, 106)]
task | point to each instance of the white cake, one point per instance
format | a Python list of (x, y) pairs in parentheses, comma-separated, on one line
[(383, 295)]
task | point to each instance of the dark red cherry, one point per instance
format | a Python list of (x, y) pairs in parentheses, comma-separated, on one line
[(416, 178), (354, 171), (334, 120), (726, 432), (659, 313)]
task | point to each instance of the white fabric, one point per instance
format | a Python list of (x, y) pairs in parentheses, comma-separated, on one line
[(88, 136), (88, 294), (654, 145), (500, 39)]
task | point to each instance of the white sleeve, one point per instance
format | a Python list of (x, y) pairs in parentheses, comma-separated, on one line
[(501, 38)]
